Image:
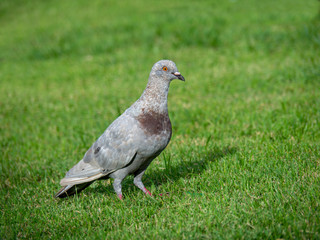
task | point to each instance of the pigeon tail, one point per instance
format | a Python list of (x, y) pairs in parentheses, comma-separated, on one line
[(69, 190)]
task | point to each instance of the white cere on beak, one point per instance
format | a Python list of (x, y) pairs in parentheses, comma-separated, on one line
[(176, 74)]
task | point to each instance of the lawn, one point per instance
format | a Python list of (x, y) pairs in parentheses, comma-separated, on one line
[(244, 158)]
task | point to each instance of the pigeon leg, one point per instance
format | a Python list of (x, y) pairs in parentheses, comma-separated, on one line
[(117, 187), (137, 181)]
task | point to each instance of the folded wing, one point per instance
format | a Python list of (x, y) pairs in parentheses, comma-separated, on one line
[(116, 148)]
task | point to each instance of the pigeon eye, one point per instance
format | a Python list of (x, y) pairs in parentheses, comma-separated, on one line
[(164, 68)]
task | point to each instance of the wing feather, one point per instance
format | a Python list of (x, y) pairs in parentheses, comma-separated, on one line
[(116, 148)]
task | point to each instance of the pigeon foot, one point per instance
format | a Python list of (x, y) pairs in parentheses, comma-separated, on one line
[(147, 192)]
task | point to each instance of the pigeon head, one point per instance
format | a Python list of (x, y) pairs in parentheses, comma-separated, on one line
[(167, 70)]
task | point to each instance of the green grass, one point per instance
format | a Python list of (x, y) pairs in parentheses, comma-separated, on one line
[(244, 159)]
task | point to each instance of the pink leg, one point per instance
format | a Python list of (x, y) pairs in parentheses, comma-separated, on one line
[(137, 181), (117, 187), (147, 192)]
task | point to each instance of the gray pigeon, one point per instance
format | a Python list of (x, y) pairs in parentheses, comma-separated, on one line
[(132, 141)]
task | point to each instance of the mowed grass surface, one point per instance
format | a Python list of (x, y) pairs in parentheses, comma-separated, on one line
[(244, 159)]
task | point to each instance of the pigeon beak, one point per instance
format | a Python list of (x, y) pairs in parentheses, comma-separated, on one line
[(177, 74)]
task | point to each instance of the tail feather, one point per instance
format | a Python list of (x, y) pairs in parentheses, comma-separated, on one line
[(78, 181), (69, 190)]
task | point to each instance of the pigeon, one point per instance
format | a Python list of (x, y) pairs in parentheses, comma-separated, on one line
[(132, 141)]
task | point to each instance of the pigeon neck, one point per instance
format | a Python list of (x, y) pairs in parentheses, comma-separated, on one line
[(155, 96)]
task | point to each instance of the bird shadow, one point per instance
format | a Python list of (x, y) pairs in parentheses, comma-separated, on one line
[(173, 170), (188, 167)]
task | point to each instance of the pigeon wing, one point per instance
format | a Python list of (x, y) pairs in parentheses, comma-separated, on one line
[(116, 148)]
